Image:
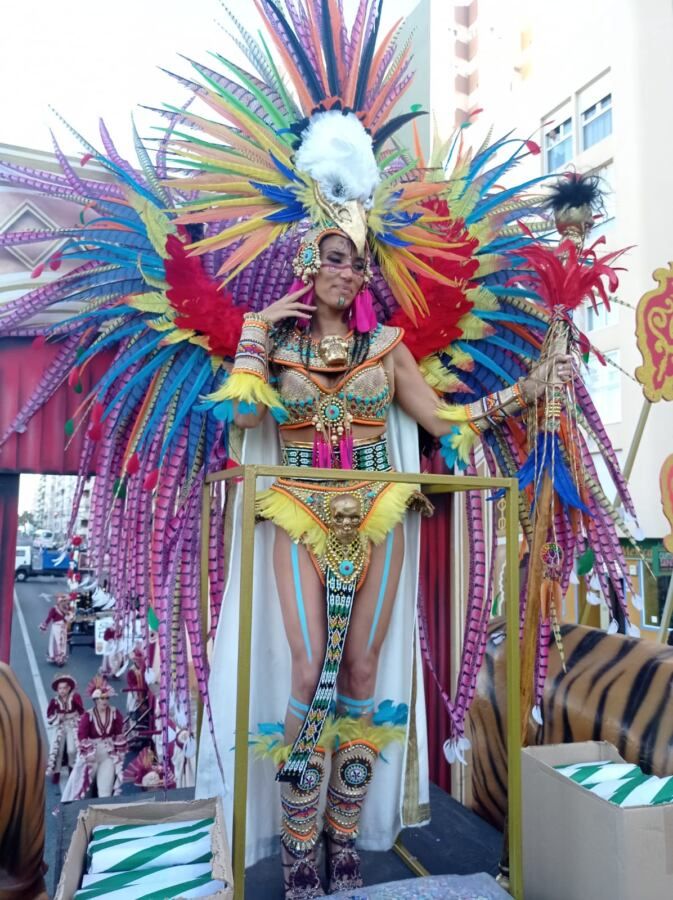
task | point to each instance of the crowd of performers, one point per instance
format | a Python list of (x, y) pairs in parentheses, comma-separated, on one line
[(94, 751)]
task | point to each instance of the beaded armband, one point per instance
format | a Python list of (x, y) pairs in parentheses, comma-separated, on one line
[(252, 353), (248, 383), (490, 410)]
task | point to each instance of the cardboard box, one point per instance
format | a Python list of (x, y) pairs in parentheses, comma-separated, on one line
[(577, 846), (141, 814)]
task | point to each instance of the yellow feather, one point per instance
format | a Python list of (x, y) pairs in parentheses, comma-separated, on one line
[(388, 511), (163, 324), (346, 729), (151, 302), (291, 516), (474, 328), (246, 388), (158, 225), (463, 441), (438, 377), (178, 336), (456, 413), (482, 298)]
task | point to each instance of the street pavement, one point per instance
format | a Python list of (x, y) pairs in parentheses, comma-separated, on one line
[(35, 674)]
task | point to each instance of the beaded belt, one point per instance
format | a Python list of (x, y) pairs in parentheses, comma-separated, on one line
[(371, 456)]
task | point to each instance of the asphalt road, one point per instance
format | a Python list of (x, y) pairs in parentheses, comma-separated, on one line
[(28, 660)]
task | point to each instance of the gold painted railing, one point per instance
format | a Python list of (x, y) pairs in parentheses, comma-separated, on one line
[(430, 484)]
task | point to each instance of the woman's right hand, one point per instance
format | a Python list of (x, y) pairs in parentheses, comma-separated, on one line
[(289, 306)]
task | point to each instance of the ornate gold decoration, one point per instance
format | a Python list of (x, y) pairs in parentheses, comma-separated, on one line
[(666, 484), (654, 331), (333, 350)]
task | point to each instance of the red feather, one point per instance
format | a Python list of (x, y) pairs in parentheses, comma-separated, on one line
[(151, 480), (446, 305), (200, 305), (564, 278)]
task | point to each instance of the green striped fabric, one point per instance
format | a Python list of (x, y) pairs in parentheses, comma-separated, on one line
[(144, 883), (122, 852), (623, 784)]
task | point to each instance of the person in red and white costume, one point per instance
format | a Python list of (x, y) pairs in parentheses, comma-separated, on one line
[(63, 715), (101, 745), (58, 617)]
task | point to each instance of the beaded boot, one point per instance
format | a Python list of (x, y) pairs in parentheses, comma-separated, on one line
[(300, 833), (352, 770)]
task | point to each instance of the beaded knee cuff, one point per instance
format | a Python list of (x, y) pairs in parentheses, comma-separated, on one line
[(352, 770), (299, 830)]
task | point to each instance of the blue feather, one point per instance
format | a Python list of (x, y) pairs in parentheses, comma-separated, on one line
[(184, 408), (140, 377), (547, 457), (484, 360), (169, 388)]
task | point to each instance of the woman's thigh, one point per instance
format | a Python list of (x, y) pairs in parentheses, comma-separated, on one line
[(373, 608), (302, 603)]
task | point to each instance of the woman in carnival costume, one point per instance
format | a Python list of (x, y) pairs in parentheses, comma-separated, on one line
[(398, 304), (63, 715), (101, 745), (58, 619)]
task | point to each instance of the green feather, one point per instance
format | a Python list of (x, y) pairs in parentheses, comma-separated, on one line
[(585, 562)]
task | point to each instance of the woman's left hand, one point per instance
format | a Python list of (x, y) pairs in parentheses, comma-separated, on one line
[(558, 369)]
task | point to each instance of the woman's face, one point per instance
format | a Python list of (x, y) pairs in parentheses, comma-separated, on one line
[(342, 272)]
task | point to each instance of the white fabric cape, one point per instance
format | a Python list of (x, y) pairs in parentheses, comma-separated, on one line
[(385, 812)]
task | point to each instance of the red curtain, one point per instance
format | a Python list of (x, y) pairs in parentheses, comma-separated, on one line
[(41, 448), (435, 585)]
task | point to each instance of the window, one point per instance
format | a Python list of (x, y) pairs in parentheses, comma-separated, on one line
[(602, 317), (597, 122), (605, 387), (559, 145), (606, 174)]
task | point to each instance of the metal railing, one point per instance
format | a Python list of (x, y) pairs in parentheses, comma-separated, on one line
[(247, 476)]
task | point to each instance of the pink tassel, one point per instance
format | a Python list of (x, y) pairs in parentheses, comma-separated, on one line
[(365, 317), (322, 457), (308, 297), (346, 452)]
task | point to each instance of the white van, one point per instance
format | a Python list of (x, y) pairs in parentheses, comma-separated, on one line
[(23, 567)]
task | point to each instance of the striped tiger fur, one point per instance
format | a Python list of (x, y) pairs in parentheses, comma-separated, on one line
[(22, 786), (616, 689)]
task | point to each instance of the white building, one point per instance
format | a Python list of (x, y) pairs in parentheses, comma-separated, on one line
[(54, 503), (591, 83)]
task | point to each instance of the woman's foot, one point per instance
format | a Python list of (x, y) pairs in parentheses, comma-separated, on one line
[(301, 880), (343, 866)]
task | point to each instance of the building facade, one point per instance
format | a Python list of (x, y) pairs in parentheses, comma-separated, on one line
[(591, 84)]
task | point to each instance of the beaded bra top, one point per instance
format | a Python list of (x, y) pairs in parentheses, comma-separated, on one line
[(362, 395)]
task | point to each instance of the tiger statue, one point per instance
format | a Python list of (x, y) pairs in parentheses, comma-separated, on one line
[(615, 688), (22, 786)]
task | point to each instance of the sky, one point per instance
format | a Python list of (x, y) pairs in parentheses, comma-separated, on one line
[(102, 59)]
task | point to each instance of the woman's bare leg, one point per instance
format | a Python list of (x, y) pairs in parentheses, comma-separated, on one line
[(302, 602), (370, 619), (353, 762)]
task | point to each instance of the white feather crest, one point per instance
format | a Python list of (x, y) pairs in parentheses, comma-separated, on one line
[(337, 152)]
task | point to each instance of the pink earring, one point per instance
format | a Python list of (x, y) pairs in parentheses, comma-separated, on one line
[(363, 311)]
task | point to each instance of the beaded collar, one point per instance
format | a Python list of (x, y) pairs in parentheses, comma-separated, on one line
[(289, 352)]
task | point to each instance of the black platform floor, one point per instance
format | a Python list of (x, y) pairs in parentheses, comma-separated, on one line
[(455, 842)]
